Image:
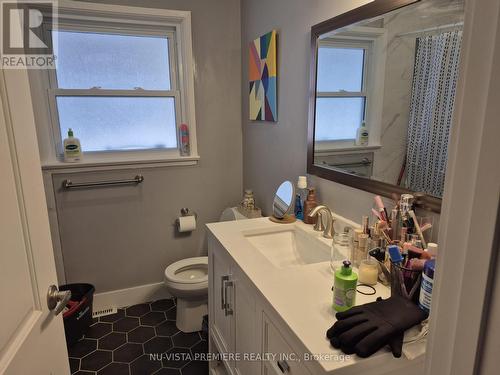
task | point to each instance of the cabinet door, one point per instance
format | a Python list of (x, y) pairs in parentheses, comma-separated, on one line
[(220, 295), (281, 357), (245, 325)]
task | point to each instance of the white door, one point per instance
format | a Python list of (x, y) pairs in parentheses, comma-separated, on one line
[(31, 337)]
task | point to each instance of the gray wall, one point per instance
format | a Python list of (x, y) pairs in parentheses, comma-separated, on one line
[(123, 237), (273, 152)]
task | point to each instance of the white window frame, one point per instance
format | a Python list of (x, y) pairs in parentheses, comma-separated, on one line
[(122, 20)]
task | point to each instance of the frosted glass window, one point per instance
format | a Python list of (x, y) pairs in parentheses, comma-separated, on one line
[(338, 118), (111, 61), (119, 123), (340, 69)]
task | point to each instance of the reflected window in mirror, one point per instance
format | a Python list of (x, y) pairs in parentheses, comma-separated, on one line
[(341, 91)]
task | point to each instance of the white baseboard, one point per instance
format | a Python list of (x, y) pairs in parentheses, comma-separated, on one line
[(130, 296)]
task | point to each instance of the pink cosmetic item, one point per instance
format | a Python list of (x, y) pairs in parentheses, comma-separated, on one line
[(415, 252), (417, 264), (381, 208), (377, 214), (425, 227)]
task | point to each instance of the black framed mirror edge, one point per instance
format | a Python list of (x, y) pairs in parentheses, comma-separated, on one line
[(370, 10)]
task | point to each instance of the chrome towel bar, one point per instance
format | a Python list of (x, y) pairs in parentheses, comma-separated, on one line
[(362, 163), (68, 184)]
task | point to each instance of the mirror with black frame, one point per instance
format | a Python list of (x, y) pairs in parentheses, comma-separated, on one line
[(383, 90)]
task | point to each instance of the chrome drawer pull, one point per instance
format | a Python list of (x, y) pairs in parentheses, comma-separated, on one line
[(283, 366), (227, 309), (223, 279)]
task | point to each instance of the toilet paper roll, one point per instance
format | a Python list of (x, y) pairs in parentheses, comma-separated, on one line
[(187, 223)]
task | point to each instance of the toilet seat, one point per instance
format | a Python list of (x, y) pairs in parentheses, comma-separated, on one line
[(188, 271)]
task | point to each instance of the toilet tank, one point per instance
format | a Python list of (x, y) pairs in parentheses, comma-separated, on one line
[(231, 213)]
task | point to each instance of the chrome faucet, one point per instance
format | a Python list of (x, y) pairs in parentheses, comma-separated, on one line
[(319, 211)]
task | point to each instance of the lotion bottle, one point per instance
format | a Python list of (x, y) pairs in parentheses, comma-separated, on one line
[(344, 288), (309, 205), (362, 135), (72, 148), (427, 285)]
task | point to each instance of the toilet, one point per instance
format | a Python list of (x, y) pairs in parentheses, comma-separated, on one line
[(187, 280)]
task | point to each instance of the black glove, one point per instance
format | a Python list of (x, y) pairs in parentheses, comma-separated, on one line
[(367, 328)]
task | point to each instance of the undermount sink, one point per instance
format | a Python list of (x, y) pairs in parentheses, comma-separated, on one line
[(288, 246)]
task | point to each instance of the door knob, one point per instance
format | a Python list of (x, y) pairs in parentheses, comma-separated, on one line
[(57, 300)]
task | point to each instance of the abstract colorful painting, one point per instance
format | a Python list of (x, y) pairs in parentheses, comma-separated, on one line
[(262, 73)]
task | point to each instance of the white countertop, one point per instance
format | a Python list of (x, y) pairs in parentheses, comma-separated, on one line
[(302, 295)]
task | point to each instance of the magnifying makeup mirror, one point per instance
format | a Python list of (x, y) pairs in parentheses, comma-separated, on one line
[(283, 203)]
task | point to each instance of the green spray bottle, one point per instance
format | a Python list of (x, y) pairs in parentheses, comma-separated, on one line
[(344, 287)]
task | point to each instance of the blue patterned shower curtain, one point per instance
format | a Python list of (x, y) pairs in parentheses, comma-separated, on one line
[(431, 109)]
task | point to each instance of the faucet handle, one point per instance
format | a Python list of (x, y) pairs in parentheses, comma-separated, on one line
[(332, 227), (319, 226)]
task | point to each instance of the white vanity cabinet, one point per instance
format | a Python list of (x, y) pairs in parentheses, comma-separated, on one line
[(268, 313), (240, 328)]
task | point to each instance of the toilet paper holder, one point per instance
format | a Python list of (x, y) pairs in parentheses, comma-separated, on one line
[(186, 212)]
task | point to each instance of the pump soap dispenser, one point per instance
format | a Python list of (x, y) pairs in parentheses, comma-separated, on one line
[(362, 135), (309, 204), (72, 148), (344, 288)]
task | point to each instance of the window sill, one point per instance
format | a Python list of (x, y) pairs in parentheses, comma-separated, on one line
[(93, 164)]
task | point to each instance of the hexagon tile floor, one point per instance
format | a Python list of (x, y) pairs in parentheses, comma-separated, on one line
[(120, 344)]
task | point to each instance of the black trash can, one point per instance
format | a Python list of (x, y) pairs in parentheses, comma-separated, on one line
[(78, 314)]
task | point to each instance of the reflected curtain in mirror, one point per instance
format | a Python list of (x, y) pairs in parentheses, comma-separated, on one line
[(431, 110)]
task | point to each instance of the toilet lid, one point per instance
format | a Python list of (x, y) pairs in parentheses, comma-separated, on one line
[(188, 271)]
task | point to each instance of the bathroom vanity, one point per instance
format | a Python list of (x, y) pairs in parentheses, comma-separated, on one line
[(270, 303)]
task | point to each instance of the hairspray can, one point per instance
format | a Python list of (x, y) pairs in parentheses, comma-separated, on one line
[(184, 139)]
